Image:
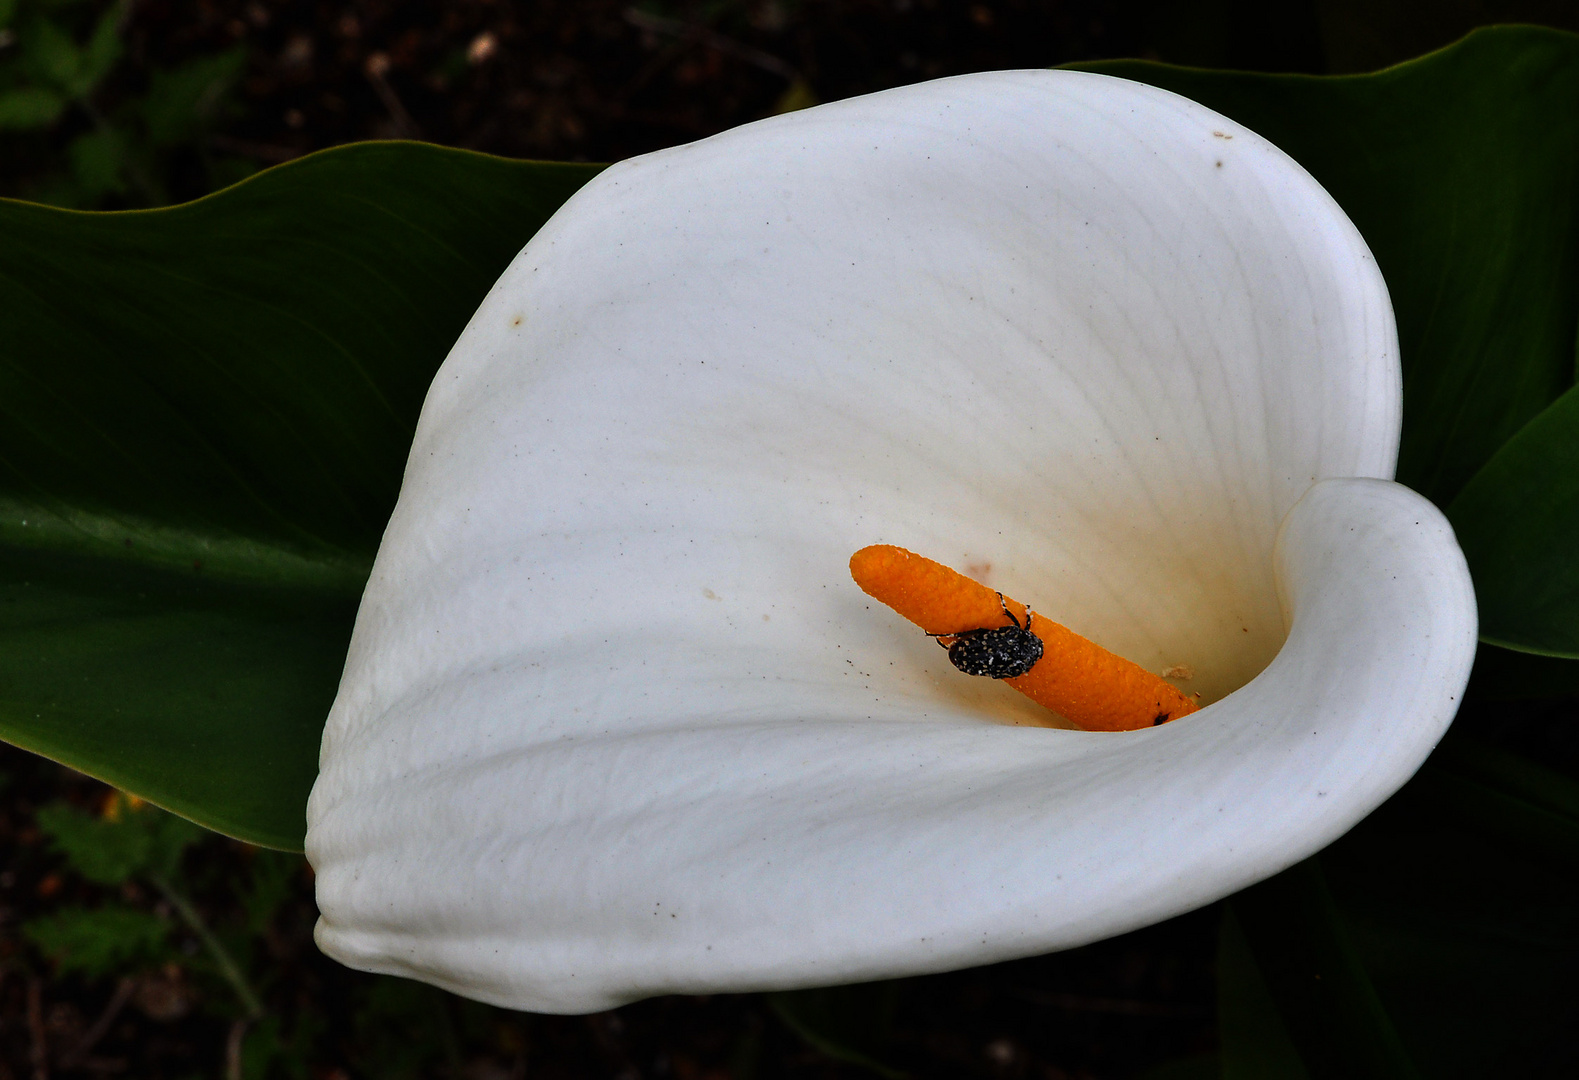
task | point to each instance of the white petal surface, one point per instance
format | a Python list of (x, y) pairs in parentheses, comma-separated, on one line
[(616, 721)]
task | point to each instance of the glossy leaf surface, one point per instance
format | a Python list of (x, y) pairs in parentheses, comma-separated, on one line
[(1518, 522), (206, 411)]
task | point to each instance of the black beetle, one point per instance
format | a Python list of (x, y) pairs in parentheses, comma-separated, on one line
[(997, 652)]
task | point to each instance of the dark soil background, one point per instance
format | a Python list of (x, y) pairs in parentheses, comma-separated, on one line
[(594, 80), (600, 80)]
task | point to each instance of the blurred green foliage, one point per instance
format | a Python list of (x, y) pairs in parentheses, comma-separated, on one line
[(59, 60), (131, 841), (143, 925), (128, 839), (97, 942)]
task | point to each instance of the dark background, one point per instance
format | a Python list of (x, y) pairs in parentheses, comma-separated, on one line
[(199, 94), (600, 80)]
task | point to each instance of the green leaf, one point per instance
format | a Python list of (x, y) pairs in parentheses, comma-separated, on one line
[(100, 941), (181, 101), (848, 1023), (204, 417), (1461, 170), (111, 849), (272, 882), (104, 852), (51, 56), (1443, 927), (98, 160), (401, 1029), (1304, 951), (169, 837), (1518, 523), (29, 107), (268, 1052), (1509, 675), (102, 51), (1255, 1042)]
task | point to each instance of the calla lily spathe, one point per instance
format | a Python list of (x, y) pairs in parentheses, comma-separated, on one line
[(616, 722)]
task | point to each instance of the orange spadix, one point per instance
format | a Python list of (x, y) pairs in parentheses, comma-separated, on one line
[(1076, 678)]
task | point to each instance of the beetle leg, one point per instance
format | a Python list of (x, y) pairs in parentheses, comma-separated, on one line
[(1005, 605)]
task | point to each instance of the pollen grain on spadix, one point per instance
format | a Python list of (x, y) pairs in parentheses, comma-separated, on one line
[(1076, 678)]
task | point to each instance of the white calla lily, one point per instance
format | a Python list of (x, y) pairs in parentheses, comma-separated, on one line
[(616, 722)]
